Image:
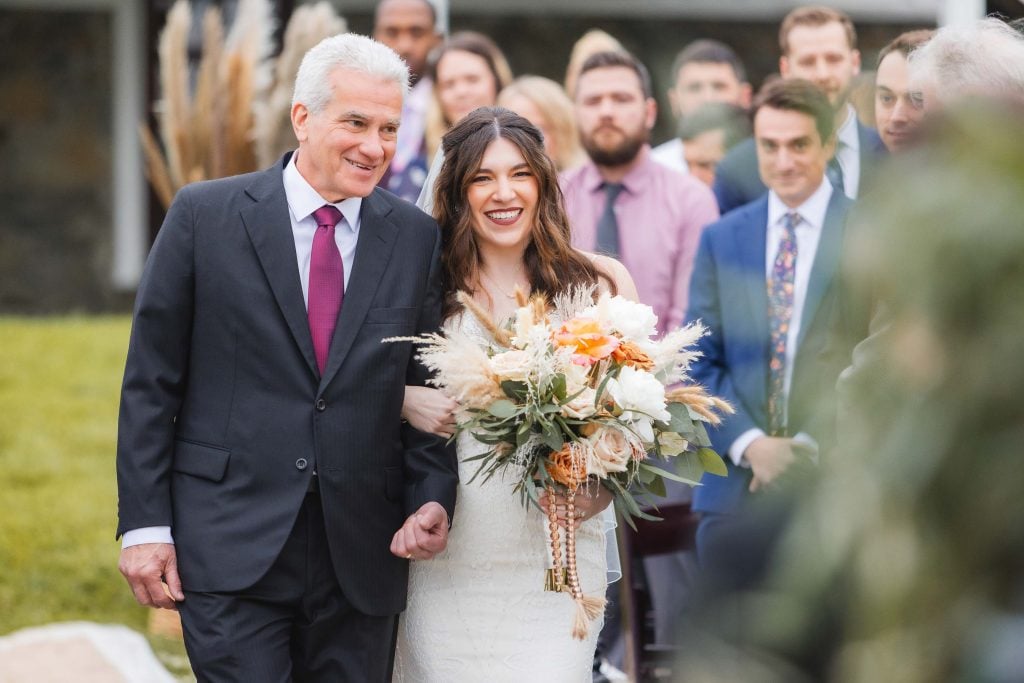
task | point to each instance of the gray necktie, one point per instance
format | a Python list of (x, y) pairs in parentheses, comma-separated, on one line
[(608, 224), (834, 172)]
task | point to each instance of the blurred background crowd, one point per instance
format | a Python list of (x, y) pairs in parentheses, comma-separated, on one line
[(858, 162)]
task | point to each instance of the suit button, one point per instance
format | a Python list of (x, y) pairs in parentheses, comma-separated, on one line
[(301, 464), (321, 405)]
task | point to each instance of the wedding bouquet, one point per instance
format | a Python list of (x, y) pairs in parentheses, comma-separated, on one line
[(578, 393)]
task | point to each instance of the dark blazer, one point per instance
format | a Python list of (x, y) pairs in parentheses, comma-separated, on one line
[(728, 293), (738, 181), (224, 414)]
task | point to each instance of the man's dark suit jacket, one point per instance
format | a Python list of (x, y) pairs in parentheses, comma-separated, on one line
[(738, 181), (224, 414), (729, 294)]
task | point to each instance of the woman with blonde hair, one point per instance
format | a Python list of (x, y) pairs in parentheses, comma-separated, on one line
[(593, 41), (468, 71), (543, 103)]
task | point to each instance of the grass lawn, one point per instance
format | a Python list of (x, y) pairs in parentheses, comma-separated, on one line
[(59, 384)]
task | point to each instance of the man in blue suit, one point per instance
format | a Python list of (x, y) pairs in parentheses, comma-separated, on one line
[(764, 283), (818, 44)]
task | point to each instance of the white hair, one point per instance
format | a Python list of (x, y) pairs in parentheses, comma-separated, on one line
[(983, 58), (346, 51)]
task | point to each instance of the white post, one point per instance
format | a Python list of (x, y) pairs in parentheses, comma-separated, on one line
[(129, 193), (960, 12)]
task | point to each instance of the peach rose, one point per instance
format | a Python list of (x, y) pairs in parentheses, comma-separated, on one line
[(588, 342), (567, 467)]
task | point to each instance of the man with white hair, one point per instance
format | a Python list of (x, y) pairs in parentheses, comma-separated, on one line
[(268, 490), (985, 59)]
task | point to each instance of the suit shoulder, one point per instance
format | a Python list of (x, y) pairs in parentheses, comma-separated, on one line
[(402, 211), (740, 156)]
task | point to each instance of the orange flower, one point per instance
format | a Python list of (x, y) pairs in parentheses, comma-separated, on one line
[(629, 353), (588, 342), (566, 467)]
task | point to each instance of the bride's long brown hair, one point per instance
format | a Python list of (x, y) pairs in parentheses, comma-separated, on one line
[(551, 264)]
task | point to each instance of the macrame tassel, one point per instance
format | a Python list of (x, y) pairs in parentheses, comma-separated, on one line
[(588, 608)]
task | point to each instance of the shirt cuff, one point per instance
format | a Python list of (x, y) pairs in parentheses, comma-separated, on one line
[(739, 446), (807, 446), (149, 534)]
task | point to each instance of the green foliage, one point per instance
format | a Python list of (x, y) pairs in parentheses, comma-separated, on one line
[(59, 385)]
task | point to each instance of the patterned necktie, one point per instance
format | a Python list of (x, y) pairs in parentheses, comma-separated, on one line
[(608, 224), (326, 282), (780, 310)]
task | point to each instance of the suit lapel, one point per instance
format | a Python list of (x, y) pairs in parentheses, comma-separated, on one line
[(269, 228), (826, 262), (751, 242), (377, 237)]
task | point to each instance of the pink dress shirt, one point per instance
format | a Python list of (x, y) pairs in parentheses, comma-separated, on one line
[(661, 213)]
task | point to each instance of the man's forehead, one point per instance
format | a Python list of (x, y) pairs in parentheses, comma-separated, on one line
[(695, 71), (404, 12), (609, 78), (829, 36)]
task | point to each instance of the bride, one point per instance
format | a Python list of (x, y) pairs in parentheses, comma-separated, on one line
[(478, 611)]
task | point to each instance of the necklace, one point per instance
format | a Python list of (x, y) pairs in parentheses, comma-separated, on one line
[(499, 287)]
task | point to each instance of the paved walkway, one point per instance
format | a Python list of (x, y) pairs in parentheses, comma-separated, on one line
[(81, 652)]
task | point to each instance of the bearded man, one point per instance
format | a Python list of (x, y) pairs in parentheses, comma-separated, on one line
[(625, 204), (622, 202)]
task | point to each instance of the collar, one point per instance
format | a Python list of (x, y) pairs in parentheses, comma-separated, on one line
[(812, 211), (419, 95), (848, 135), (634, 181), (303, 200)]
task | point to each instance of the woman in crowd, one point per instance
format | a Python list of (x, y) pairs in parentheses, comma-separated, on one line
[(544, 104), (468, 71)]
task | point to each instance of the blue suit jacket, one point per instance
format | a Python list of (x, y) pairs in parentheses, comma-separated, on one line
[(728, 293), (738, 181)]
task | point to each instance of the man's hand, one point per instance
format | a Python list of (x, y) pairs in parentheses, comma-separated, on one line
[(152, 573), (429, 410), (423, 535), (769, 456)]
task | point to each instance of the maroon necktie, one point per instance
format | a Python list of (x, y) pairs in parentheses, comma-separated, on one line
[(326, 282)]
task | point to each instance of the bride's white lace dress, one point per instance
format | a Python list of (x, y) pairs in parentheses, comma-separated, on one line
[(479, 611)]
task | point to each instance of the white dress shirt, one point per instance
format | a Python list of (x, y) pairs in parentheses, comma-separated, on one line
[(671, 154), (848, 152), (808, 233), (302, 200)]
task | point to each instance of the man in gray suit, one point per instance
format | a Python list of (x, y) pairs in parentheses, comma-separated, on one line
[(267, 489)]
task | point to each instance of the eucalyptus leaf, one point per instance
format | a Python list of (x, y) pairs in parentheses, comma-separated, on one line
[(670, 475), (502, 408), (712, 462)]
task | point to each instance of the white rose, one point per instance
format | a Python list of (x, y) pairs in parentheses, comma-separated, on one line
[(576, 375), (639, 394), (582, 406), (610, 453), (513, 365), (633, 321)]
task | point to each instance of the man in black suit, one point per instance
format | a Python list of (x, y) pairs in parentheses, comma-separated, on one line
[(267, 487), (818, 44)]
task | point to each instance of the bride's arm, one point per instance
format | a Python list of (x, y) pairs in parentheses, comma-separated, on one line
[(428, 410), (624, 285)]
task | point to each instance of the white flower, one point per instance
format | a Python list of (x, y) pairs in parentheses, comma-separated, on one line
[(640, 395), (633, 321), (576, 375), (514, 365), (611, 450), (582, 406)]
